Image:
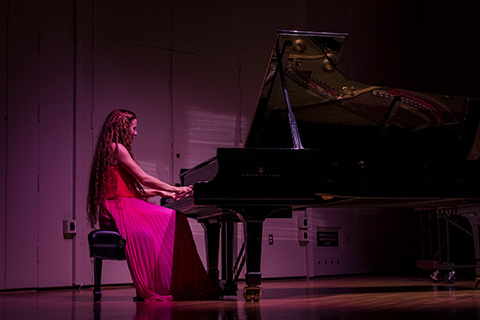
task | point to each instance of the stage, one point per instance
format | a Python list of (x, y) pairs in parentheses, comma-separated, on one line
[(343, 297)]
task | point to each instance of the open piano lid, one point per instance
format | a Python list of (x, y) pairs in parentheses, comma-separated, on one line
[(341, 116)]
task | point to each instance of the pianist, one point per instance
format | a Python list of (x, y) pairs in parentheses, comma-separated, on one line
[(160, 250)]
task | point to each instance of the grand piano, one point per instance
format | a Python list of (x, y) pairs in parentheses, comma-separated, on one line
[(320, 139)]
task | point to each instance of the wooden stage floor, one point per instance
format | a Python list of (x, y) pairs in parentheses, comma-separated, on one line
[(331, 298)]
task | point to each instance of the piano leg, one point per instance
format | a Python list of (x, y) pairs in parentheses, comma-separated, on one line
[(230, 286), (252, 218), (253, 252), (473, 216), (212, 243), (474, 222)]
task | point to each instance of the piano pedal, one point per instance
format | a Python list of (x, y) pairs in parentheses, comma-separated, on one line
[(252, 293)]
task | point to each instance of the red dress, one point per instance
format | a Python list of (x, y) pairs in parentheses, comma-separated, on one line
[(161, 253)]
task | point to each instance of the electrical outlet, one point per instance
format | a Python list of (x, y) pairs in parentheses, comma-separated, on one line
[(69, 227)]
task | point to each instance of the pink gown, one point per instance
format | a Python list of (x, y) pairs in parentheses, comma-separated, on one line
[(161, 253)]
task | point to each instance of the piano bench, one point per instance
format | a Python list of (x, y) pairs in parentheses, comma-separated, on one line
[(104, 245)]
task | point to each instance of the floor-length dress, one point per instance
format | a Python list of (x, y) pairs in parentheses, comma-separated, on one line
[(161, 253)]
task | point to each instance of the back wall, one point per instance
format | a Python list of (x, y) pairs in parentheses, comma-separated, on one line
[(192, 72)]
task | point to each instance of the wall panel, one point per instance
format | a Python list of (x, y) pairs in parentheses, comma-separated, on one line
[(84, 138), (205, 105), (208, 28), (141, 22), (22, 156), (251, 79), (472, 47), (55, 158), (3, 137), (403, 47), (234, 30), (368, 37), (448, 65), (25, 10), (283, 257), (259, 22)]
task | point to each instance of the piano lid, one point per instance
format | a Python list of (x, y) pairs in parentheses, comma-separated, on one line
[(341, 116)]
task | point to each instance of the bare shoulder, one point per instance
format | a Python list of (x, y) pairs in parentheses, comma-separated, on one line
[(121, 147), (124, 155)]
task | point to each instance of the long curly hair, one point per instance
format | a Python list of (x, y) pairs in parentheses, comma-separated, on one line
[(115, 130)]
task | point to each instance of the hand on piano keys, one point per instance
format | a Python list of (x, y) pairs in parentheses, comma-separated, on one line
[(182, 192), (176, 193)]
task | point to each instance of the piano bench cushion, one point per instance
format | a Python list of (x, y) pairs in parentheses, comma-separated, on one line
[(106, 244)]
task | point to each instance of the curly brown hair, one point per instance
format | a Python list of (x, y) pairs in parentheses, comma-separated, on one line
[(115, 130)]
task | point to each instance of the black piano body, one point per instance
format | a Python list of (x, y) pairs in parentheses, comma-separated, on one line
[(320, 139)]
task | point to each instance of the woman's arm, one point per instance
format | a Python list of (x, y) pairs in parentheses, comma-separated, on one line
[(159, 187), (164, 194)]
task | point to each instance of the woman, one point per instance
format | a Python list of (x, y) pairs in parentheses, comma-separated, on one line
[(160, 250)]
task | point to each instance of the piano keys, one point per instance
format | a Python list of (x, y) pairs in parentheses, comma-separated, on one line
[(321, 139)]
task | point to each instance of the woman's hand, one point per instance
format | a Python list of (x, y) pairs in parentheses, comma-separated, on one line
[(176, 193), (183, 192)]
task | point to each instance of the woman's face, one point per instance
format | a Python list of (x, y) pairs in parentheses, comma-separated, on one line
[(133, 129)]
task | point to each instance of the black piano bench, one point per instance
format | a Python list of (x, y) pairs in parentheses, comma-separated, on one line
[(103, 245)]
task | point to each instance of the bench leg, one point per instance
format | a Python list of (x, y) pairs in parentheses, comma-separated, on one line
[(97, 279)]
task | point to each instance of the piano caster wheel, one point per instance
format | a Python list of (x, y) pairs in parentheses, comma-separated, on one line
[(450, 278), (252, 293)]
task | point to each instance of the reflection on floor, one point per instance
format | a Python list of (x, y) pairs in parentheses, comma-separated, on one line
[(331, 298)]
